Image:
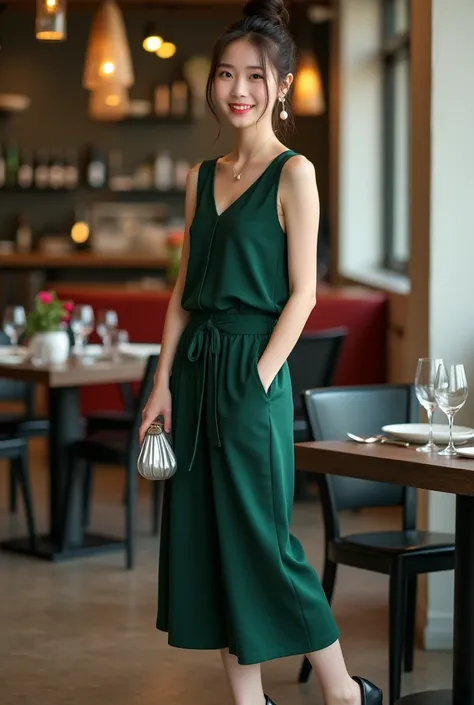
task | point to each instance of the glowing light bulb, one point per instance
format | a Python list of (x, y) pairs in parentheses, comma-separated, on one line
[(107, 68), (112, 100), (80, 232), (51, 5), (167, 50), (152, 43)]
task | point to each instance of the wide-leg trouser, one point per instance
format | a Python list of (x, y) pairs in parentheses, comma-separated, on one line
[(231, 574)]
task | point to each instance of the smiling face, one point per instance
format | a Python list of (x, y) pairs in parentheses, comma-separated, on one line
[(242, 91)]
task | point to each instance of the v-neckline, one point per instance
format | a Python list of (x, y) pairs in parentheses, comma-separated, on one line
[(251, 186)]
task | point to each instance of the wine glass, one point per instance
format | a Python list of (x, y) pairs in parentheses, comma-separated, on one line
[(425, 379), (82, 325), (451, 395), (107, 324), (14, 323)]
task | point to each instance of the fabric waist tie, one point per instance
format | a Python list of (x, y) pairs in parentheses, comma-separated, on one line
[(205, 343)]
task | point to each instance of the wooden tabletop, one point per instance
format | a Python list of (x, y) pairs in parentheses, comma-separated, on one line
[(387, 463), (75, 374), (79, 260)]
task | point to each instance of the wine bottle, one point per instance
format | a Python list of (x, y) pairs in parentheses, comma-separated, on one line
[(25, 170), (12, 163), (23, 235), (56, 170), (71, 169), (2, 167), (42, 169), (96, 170)]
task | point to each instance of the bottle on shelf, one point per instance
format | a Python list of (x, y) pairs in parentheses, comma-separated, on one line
[(162, 100), (56, 170), (71, 169), (163, 172), (2, 166), (25, 170), (12, 163), (23, 235), (179, 99), (41, 171), (96, 173)]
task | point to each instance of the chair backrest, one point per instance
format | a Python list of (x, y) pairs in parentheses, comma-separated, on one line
[(363, 410), (312, 362), (140, 400), (13, 390)]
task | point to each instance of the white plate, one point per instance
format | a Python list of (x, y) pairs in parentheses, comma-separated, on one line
[(418, 432), (139, 349), (7, 350), (13, 356), (467, 451)]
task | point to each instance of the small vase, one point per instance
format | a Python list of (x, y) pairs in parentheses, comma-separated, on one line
[(50, 348)]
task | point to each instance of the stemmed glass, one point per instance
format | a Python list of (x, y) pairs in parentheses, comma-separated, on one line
[(451, 395), (107, 324), (425, 379), (14, 323), (82, 325)]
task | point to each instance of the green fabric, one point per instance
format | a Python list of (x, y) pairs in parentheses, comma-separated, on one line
[(231, 575)]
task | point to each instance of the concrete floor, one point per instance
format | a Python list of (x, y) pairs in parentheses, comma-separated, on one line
[(82, 633)]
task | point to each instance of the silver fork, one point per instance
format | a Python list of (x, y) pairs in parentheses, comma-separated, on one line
[(378, 439)]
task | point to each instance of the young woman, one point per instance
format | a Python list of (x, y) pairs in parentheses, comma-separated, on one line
[(231, 575)]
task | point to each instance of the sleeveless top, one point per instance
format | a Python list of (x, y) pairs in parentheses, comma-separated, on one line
[(238, 260)]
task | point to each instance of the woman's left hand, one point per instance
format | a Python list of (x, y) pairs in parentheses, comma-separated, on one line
[(266, 382)]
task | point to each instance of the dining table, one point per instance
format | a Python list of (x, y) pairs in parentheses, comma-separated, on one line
[(63, 383), (428, 471)]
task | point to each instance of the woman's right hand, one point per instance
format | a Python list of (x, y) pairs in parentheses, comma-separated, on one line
[(159, 402)]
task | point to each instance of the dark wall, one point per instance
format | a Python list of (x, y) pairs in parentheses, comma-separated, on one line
[(51, 75)]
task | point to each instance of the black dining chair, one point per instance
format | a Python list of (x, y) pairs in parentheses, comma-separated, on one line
[(110, 419), (19, 424), (113, 448), (401, 554), (312, 363), (16, 450)]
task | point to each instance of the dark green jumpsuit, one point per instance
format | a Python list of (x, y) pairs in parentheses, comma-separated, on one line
[(230, 574)]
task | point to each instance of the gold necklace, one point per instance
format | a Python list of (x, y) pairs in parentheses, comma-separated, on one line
[(239, 174)]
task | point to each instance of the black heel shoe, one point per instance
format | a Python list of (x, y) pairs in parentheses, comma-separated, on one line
[(371, 695), (268, 701)]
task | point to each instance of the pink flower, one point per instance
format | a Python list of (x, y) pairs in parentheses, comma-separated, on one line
[(45, 297), (68, 306)]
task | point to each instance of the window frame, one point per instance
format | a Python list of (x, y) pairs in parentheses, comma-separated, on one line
[(394, 45)]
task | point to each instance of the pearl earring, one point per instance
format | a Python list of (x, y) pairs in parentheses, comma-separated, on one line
[(283, 114)]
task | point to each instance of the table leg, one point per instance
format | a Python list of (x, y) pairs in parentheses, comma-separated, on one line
[(66, 427), (463, 645)]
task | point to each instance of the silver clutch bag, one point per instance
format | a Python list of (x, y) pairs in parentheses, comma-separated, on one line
[(156, 460)]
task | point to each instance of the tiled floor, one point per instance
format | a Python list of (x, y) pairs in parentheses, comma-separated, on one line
[(82, 633)]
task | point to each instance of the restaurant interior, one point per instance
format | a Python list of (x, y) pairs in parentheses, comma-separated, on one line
[(102, 114)]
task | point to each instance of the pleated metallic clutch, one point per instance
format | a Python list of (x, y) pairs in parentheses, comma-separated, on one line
[(156, 460)]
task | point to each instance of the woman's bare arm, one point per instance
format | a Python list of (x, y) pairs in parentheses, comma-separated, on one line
[(300, 203), (159, 401), (176, 317)]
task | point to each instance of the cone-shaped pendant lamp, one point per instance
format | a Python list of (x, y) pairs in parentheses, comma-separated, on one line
[(308, 94), (109, 102), (108, 54)]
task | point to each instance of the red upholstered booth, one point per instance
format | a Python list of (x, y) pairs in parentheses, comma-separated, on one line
[(142, 314)]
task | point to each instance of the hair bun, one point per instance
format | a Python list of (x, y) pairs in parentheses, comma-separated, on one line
[(270, 10)]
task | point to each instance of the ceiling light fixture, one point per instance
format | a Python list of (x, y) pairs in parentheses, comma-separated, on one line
[(51, 20)]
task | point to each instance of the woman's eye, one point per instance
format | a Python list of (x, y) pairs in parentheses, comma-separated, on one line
[(256, 75), (225, 74)]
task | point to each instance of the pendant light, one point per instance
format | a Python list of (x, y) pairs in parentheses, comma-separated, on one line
[(51, 20), (108, 54), (152, 40), (109, 102), (308, 94), (166, 50)]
